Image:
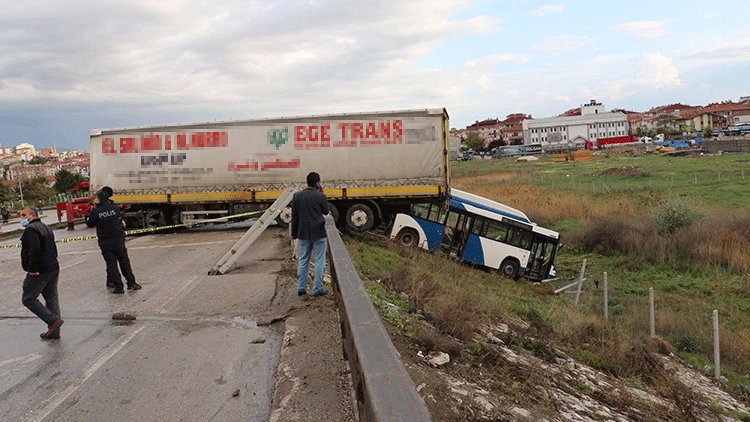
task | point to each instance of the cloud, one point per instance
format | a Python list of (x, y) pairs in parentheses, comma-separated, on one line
[(645, 29), (547, 9), (656, 71), (739, 52), (562, 43), (235, 58), (498, 60)]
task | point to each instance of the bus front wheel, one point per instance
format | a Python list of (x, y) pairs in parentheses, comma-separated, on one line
[(360, 218), (509, 268), (408, 237)]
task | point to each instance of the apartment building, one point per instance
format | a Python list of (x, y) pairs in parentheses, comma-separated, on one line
[(558, 133)]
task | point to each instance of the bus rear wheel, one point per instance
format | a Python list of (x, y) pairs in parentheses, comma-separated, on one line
[(360, 218), (509, 268), (408, 237)]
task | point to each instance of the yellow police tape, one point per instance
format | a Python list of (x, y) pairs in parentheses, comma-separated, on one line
[(149, 230)]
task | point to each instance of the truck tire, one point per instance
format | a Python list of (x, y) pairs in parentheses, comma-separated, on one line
[(284, 218), (408, 237), (509, 268), (334, 213), (155, 218), (360, 218)]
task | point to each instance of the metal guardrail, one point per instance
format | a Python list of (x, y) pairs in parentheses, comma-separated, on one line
[(383, 389)]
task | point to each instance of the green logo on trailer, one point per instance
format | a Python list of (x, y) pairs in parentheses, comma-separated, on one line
[(278, 137)]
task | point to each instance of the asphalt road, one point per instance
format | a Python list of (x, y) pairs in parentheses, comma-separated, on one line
[(193, 353), (14, 224)]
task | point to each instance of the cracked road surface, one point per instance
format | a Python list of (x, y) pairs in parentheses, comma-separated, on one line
[(194, 352)]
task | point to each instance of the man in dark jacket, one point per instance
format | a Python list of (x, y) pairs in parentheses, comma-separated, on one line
[(308, 208), (110, 229), (39, 260)]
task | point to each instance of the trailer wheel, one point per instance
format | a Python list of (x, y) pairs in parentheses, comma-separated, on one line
[(509, 268), (334, 213), (360, 218), (284, 218), (408, 237), (155, 218)]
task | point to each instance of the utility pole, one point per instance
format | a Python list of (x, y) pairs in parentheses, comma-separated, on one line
[(20, 188)]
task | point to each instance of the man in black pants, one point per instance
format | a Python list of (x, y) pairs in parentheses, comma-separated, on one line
[(110, 229), (39, 260)]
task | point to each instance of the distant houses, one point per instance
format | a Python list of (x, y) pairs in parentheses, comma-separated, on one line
[(15, 163), (589, 122)]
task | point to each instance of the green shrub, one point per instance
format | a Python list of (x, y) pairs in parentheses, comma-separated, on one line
[(675, 214), (687, 344)]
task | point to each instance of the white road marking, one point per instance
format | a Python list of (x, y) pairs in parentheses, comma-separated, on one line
[(71, 265), (57, 399), (187, 287)]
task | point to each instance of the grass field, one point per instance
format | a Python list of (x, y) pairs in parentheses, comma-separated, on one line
[(605, 211)]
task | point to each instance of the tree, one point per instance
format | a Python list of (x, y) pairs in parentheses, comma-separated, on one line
[(65, 180), (474, 142), (36, 189), (38, 160), (6, 194), (708, 132)]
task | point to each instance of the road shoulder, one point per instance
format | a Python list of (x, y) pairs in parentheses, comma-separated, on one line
[(312, 381)]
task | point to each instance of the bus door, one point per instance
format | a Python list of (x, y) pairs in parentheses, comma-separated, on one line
[(455, 235), (542, 253)]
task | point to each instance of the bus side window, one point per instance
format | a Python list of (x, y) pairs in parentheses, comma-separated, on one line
[(519, 237), (437, 215), (420, 211), (479, 227), (497, 231)]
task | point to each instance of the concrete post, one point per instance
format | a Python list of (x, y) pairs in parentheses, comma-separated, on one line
[(606, 299), (651, 319), (580, 281), (717, 356)]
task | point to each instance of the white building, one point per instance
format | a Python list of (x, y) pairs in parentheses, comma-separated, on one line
[(557, 133), (25, 151)]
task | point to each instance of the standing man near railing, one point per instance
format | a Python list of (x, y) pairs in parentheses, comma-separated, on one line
[(308, 208)]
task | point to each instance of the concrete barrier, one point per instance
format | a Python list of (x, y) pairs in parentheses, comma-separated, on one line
[(384, 391)]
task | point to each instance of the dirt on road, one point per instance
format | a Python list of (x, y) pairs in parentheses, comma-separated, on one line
[(312, 378)]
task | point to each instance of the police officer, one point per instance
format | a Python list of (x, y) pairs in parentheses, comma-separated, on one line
[(110, 229)]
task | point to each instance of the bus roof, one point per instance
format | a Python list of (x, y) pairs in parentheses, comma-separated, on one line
[(492, 209), (488, 205)]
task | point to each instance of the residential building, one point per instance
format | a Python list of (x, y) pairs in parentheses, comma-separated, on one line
[(699, 120), (572, 131), (488, 130), (511, 129), (741, 118), (25, 151)]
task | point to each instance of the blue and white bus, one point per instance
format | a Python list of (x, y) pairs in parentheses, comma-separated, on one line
[(481, 231)]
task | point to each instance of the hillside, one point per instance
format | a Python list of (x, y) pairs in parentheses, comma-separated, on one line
[(519, 352)]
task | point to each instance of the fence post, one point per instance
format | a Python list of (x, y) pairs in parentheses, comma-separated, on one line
[(717, 358), (696, 178), (580, 281), (606, 299), (651, 322)]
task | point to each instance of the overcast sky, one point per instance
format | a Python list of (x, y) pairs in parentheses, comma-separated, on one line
[(70, 66)]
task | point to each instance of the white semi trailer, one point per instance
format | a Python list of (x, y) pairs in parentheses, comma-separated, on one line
[(372, 165)]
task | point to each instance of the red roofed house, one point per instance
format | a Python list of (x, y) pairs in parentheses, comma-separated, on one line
[(488, 130)]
